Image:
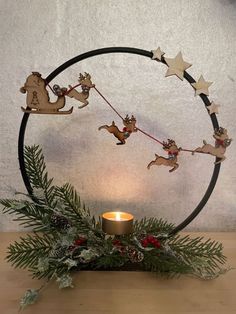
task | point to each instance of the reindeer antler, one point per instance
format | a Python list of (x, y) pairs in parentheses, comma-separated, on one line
[(169, 143), (87, 75), (37, 74), (133, 118), (127, 119), (220, 131), (81, 77)]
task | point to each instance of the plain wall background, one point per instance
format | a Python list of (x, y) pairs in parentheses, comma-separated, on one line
[(41, 35)]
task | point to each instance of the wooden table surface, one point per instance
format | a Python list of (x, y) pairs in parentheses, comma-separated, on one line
[(123, 292)]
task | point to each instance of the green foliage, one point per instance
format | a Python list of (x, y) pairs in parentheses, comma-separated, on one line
[(29, 214), (66, 237), (30, 297), (165, 264), (69, 198), (36, 172), (71, 206), (152, 226), (203, 256), (26, 252), (65, 281), (110, 261)]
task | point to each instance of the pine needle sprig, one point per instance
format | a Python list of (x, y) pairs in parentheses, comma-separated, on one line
[(69, 196), (152, 226), (36, 172), (29, 214), (164, 264), (74, 209), (26, 252), (206, 255), (196, 247), (54, 269), (110, 261)]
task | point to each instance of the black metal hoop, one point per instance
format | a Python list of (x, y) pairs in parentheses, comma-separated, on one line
[(144, 53)]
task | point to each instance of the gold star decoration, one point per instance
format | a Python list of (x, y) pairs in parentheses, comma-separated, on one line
[(201, 86), (213, 108), (177, 66), (157, 54)]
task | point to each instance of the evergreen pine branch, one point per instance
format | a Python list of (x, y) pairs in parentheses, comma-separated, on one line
[(69, 196), (27, 213), (54, 269), (36, 171), (109, 261), (74, 209), (206, 256), (196, 247), (152, 226), (25, 253), (164, 264)]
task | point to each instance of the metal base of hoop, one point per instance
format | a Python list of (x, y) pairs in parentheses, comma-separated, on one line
[(140, 52)]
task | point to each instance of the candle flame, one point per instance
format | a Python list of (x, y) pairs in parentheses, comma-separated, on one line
[(118, 216)]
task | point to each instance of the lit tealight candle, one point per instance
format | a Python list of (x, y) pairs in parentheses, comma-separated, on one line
[(117, 223)]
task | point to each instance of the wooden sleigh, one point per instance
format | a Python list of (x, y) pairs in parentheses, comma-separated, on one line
[(38, 101)]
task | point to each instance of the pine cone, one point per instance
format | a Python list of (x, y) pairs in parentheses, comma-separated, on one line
[(134, 255), (60, 222)]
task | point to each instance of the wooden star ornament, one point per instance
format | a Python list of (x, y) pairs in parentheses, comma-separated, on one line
[(177, 66), (201, 86), (157, 54), (213, 108)]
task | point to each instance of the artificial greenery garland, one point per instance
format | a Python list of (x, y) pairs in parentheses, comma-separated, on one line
[(66, 237)]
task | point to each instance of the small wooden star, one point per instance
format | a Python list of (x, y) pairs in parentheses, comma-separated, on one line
[(177, 66), (201, 86), (213, 108), (157, 54)]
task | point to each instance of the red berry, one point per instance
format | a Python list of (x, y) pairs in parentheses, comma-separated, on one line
[(157, 244), (144, 242), (150, 238), (116, 242), (79, 241)]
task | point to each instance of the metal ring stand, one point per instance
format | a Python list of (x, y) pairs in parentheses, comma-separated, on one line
[(144, 53)]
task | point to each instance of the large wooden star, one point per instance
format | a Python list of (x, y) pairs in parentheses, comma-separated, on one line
[(213, 108), (201, 86), (177, 66), (157, 54)]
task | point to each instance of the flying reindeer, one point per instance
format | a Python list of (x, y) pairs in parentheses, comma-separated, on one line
[(171, 161), (86, 84), (129, 127), (222, 141)]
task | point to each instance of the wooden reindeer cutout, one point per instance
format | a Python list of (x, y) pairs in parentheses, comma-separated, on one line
[(221, 143), (129, 127), (86, 84), (171, 161), (38, 98)]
